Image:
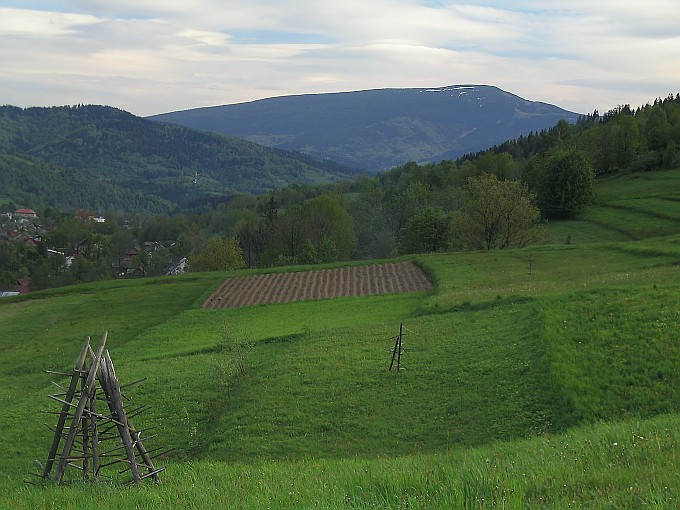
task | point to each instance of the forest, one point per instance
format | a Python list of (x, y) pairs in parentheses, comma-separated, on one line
[(99, 157), (495, 199)]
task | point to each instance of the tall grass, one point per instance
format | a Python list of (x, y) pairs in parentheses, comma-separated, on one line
[(627, 465)]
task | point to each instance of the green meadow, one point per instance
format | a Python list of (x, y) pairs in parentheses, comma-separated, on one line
[(538, 378)]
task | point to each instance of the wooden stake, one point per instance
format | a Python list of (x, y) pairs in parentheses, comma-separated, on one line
[(80, 363), (94, 368), (111, 387)]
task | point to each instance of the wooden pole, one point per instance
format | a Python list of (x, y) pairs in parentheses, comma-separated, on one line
[(70, 392), (95, 435), (396, 351), (84, 397), (143, 452), (111, 387), (86, 432), (401, 332)]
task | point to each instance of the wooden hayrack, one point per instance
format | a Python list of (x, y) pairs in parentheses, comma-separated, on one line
[(89, 429)]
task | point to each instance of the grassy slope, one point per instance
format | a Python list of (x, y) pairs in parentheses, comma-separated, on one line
[(497, 354), (627, 207)]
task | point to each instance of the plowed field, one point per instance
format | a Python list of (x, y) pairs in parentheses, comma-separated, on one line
[(326, 283)]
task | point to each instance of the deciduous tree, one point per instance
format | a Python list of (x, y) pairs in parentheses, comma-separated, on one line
[(218, 255), (497, 214), (427, 231), (329, 227), (565, 182)]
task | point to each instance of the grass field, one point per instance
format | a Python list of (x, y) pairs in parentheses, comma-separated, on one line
[(627, 207), (538, 378)]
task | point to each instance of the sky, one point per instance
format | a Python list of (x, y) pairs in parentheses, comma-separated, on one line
[(156, 56)]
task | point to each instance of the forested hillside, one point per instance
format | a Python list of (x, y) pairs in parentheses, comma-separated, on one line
[(101, 158)]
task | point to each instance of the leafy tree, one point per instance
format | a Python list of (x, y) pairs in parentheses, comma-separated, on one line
[(308, 253), (329, 227), (218, 255), (287, 238), (164, 228), (406, 204), (565, 182), (501, 165), (157, 261), (252, 234), (328, 251), (497, 214), (119, 244), (627, 142), (427, 231), (83, 270), (383, 245), (68, 233), (670, 156), (657, 129), (370, 217)]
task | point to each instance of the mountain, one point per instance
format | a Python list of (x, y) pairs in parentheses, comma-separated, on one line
[(99, 157), (377, 129)]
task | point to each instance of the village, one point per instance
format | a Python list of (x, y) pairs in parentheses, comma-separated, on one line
[(90, 252)]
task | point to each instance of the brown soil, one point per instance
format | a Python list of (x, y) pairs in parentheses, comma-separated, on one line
[(326, 283)]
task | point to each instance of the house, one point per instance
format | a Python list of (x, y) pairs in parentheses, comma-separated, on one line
[(84, 215), (26, 213), (130, 254), (23, 285), (179, 268), (152, 246), (28, 241)]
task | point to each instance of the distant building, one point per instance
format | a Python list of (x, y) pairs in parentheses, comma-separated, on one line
[(26, 213), (23, 285), (179, 268), (84, 215)]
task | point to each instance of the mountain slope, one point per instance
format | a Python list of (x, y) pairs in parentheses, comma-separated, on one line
[(99, 157), (377, 129)]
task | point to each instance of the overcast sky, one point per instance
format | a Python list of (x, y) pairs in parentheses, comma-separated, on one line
[(155, 56)]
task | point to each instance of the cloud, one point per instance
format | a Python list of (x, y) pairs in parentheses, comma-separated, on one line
[(21, 22), (150, 56)]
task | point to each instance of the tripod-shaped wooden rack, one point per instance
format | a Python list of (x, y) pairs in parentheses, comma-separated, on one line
[(89, 429)]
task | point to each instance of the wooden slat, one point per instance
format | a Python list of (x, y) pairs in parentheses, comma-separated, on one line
[(95, 435), (111, 387), (80, 363), (94, 368), (143, 452)]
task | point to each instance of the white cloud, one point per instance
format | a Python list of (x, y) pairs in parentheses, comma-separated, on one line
[(150, 56), (20, 22)]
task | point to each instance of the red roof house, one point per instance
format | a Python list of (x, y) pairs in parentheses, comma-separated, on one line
[(26, 213)]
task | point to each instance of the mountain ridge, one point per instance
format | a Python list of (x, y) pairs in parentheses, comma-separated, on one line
[(116, 159), (376, 129)]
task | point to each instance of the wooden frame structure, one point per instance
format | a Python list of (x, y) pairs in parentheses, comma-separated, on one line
[(89, 429)]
